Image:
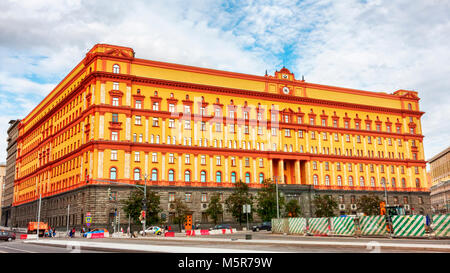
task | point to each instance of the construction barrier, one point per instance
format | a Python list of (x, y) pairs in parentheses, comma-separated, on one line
[(278, 225), (408, 225), (343, 226), (441, 225), (210, 232), (372, 225), (169, 234), (318, 226), (297, 225)]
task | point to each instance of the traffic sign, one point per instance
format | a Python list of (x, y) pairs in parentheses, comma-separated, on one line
[(246, 208)]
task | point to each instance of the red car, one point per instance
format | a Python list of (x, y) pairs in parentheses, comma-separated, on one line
[(7, 235)]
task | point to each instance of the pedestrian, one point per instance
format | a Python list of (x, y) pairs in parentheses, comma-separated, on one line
[(70, 233), (73, 232), (50, 232), (54, 232)]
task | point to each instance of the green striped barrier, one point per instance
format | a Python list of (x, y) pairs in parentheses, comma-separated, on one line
[(408, 225), (297, 225), (318, 226), (343, 226), (441, 225), (372, 225), (277, 225)]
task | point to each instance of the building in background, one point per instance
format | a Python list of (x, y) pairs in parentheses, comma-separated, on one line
[(8, 189), (440, 181), (190, 132), (2, 183)]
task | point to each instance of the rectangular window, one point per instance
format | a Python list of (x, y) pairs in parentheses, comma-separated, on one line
[(171, 159), (203, 126), (187, 109), (115, 117), (204, 197), (187, 159), (233, 161), (155, 106), (137, 156), (188, 197), (247, 162), (172, 108), (203, 159), (154, 157), (115, 136), (137, 120), (274, 131), (287, 132), (138, 104), (300, 133), (115, 101), (155, 122), (187, 124), (218, 160), (115, 86), (171, 123), (171, 197), (113, 154)]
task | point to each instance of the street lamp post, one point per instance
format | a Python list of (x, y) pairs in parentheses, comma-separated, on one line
[(276, 178), (144, 206), (39, 210)]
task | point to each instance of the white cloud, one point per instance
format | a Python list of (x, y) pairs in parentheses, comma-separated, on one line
[(372, 45)]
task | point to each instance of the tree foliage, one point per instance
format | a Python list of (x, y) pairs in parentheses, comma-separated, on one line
[(267, 201), (325, 205), (214, 209), (134, 204), (180, 212), (369, 204), (235, 202), (293, 208)]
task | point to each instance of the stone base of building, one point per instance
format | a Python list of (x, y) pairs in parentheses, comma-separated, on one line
[(70, 208)]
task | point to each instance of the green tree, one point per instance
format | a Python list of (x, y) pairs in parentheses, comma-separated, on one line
[(293, 208), (234, 203), (181, 210), (369, 204), (134, 204), (267, 201), (325, 205), (214, 209)]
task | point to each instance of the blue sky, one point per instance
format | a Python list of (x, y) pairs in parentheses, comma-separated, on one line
[(375, 45)]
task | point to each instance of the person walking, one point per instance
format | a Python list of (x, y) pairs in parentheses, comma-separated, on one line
[(73, 232)]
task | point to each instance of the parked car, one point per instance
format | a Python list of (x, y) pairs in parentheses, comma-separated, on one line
[(221, 226), (263, 226), (97, 230), (152, 230), (7, 235)]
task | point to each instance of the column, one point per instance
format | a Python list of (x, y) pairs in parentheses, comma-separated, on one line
[(281, 170), (297, 172)]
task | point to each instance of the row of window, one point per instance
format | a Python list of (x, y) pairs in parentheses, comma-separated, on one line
[(187, 176), (361, 167), (362, 181)]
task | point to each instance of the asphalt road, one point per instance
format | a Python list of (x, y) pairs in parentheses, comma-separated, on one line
[(18, 246)]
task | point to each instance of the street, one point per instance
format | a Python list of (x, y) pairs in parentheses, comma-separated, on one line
[(261, 242)]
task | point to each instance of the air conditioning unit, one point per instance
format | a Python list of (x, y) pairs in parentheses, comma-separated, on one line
[(406, 206), (353, 206), (203, 206), (341, 206)]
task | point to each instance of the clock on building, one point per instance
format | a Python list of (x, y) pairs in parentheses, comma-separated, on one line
[(286, 90)]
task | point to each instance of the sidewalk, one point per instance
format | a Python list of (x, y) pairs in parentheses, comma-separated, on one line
[(139, 247)]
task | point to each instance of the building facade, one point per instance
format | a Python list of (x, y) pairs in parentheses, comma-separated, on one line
[(2, 183), (440, 181), (191, 132), (8, 189)]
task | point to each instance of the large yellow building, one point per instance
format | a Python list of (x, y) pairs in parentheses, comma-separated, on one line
[(190, 130)]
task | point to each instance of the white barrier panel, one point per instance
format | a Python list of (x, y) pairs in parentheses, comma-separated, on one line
[(31, 237)]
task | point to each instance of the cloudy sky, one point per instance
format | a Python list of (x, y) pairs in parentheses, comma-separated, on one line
[(374, 45)]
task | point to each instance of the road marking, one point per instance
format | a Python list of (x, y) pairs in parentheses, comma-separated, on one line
[(17, 249)]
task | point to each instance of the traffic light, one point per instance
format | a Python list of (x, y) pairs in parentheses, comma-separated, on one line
[(109, 194)]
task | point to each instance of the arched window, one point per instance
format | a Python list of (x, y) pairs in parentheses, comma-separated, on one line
[(361, 181), (171, 175), (137, 174), (113, 173), (233, 177), (247, 178), (339, 180), (327, 180), (393, 182), (218, 177), (187, 176), (261, 178), (116, 68), (154, 175), (383, 181), (372, 181), (403, 183), (202, 176), (350, 181), (315, 179), (417, 183)]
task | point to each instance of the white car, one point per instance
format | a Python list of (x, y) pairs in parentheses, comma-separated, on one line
[(152, 230)]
